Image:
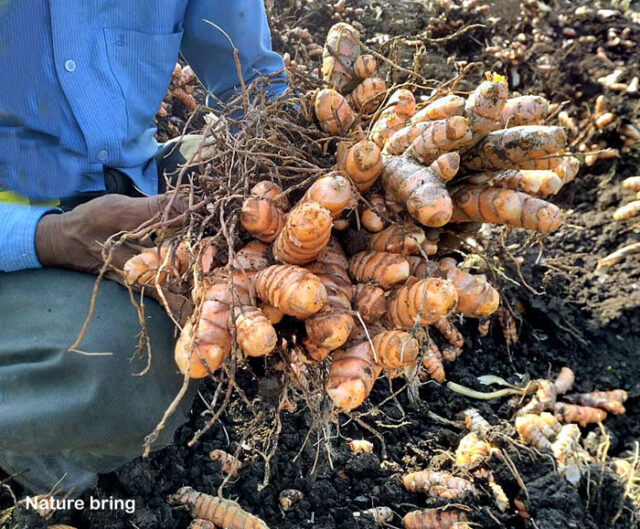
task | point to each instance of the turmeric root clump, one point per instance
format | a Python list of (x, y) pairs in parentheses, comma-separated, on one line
[(222, 512), (293, 290)]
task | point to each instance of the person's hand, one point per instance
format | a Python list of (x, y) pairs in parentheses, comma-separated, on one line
[(75, 239)]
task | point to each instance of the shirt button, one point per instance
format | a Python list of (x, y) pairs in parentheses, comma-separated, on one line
[(70, 66), (102, 155)]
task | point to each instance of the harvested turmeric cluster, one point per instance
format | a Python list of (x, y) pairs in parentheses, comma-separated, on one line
[(483, 158), (547, 424)]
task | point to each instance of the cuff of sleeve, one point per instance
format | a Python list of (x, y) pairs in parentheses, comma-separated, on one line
[(17, 236)]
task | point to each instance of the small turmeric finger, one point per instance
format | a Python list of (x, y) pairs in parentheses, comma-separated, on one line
[(442, 108), (453, 336), (476, 297), (334, 114), (365, 66), (632, 183), (272, 191), (395, 349), (472, 449), (532, 182), (261, 218), (293, 290), (504, 206), (229, 464), (400, 238), (528, 428), (518, 148), (362, 163), (332, 192), (370, 302), (582, 415), (383, 268), (341, 50), (432, 362), (305, 234), (484, 106), (425, 301), (144, 268), (564, 381), (610, 401), (440, 484), (352, 374), (371, 218), (629, 211), (203, 345), (254, 332), (433, 519), (524, 110), (222, 512), (368, 95)]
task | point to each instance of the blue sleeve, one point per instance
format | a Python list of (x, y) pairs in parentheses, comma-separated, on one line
[(17, 235), (210, 54)]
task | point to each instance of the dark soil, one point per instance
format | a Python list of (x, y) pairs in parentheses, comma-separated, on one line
[(572, 317)]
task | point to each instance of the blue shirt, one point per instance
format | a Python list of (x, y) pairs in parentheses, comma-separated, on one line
[(82, 81)]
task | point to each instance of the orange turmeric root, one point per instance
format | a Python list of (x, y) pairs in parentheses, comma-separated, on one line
[(582, 415), (142, 269), (433, 519), (472, 449), (504, 206), (427, 140), (252, 256), (305, 234), (484, 106), (293, 290), (610, 401), (400, 107), (425, 301), (385, 269), (533, 182), (441, 484), (341, 50), (524, 110), (333, 112), (371, 218), (211, 341), (476, 297), (630, 210), (332, 192), (261, 218), (329, 328), (442, 108), (395, 349), (362, 162), (222, 512), (564, 381), (526, 147), (452, 336), (370, 302), (365, 66), (352, 375), (432, 362), (254, 332), (533, 431), (368, 95), (420, 188), (229, 463), (272, 191), (476, 423), (404, 239)]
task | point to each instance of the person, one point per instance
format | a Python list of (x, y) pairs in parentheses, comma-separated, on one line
[(82, 81)]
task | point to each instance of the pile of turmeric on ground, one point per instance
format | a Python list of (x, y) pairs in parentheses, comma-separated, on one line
[(406, 176)]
